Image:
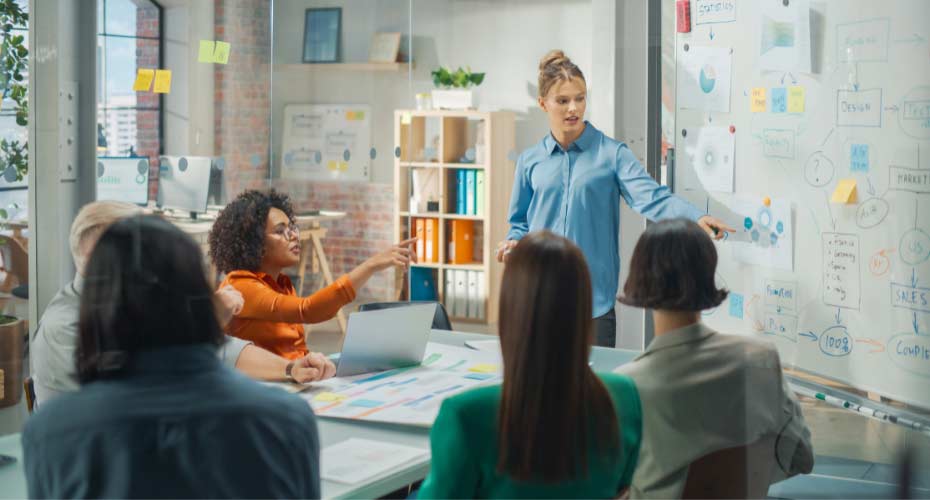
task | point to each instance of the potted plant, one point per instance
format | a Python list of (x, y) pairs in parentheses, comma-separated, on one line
[(14, 165), (12, 332), (454, 88)]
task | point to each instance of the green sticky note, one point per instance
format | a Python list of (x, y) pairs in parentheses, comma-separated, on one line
[(221, 54), (206, 51)]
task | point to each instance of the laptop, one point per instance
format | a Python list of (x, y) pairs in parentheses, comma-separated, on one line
[(384, 339)]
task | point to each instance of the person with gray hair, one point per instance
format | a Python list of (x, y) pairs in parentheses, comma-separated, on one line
[(52, 348)]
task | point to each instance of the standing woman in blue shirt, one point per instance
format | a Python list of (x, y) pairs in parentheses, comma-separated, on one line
[(572, 181)]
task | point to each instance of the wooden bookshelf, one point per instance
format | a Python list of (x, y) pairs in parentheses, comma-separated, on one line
[(441, 139)]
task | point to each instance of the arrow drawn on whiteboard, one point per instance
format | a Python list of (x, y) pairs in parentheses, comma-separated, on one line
[(915, 39), (914, 277), (878, 347), (826, 198), (915, 324), (871, 187), (810, 335), (827, 137), (711, 31), (838, 320)]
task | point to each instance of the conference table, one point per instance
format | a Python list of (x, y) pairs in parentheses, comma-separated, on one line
[(826, 481)]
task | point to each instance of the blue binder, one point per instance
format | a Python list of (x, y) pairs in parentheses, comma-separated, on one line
[(469, 192), (422, 284), (460, 191)]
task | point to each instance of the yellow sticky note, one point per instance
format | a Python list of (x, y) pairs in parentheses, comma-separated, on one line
[(332, 165), (796, 99), (163, 81), (757, 100), (845, 191), (206, 51), (483, 368), (343, 166), (144, 79), (221, 55), (327, 397), (355, 115)]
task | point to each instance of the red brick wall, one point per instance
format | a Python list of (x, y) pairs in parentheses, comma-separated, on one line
[(243, 117), (148, 123), (243, 90)]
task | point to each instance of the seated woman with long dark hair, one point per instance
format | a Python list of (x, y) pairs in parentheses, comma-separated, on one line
[(157, 414), (554, 429), (253, 240)]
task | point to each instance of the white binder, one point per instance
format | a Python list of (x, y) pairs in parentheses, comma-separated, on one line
[(472, 293), (461, 293), (450, 292), (482, 301)]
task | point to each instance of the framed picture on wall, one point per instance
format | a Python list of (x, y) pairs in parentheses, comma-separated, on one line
[(384, 47), (322, 33)]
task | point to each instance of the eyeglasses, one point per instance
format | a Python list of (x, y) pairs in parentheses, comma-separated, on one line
[(284, 232)]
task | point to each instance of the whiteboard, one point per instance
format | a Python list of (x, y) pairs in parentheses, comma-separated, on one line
[(326, 142), (819, 92)]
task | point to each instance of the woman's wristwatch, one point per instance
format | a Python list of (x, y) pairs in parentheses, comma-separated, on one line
[(288, 372)]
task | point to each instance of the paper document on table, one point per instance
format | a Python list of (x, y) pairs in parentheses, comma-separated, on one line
[(408, 396), (357, 460)]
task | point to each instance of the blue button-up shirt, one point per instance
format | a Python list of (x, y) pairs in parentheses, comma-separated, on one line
[(575, 192)]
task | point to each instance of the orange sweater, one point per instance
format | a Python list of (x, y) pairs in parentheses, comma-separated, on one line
[(273, 314)]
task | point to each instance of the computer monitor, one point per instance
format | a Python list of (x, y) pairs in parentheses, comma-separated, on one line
[(183, 183), (123, 179)]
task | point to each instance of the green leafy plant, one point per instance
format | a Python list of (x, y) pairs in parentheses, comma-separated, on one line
[(6, 320), (460, 78), (14, 63)]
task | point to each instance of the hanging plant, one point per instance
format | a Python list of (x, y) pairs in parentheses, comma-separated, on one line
[(14, 63)]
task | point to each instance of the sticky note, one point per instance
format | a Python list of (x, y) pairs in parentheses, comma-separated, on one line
[(221, 54), (859, 157), (366, 403), (779, 98), (327, 397), (483, 368), (479, 376), (845, 191), (206, 51), (332, 165), (163, 81), (757, 100), (736, 305), (355, 115), (144, 79), (796, 99)]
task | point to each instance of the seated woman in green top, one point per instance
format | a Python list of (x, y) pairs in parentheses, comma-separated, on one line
[(554, 429)]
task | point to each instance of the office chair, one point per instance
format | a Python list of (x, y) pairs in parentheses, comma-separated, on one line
[(739, 472), (440, 320)]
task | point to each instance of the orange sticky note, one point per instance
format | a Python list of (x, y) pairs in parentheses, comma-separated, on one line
[(845, 192), (221, 53), (163, 81), (796, 99), (144, 79), (757, 100)]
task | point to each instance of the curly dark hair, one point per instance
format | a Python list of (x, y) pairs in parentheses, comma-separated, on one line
[(237, 240)]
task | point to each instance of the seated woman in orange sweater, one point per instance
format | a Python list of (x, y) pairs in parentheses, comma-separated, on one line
[(254, 238)]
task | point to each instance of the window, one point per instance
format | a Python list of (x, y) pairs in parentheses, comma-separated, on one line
[(128, 122), (14, 148)]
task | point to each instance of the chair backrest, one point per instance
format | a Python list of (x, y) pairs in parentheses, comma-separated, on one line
[(29, 389), (740, 472), (440, 320)]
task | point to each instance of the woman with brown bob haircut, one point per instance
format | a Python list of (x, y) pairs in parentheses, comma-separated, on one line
[(554, 428), (702, 391)]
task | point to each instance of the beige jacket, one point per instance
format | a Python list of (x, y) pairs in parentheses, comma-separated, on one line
[(702, 391)]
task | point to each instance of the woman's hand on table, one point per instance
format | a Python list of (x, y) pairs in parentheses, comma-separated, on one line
[(312, 367)]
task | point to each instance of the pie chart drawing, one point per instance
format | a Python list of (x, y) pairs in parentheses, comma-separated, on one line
[(708, 78)]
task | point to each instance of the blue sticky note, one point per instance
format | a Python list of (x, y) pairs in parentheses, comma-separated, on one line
[(479, 376), (859, 157), (779, 100), (736, 305), (366, 403)]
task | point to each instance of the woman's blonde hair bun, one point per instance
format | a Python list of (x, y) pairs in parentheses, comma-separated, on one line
[(555, 67)]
